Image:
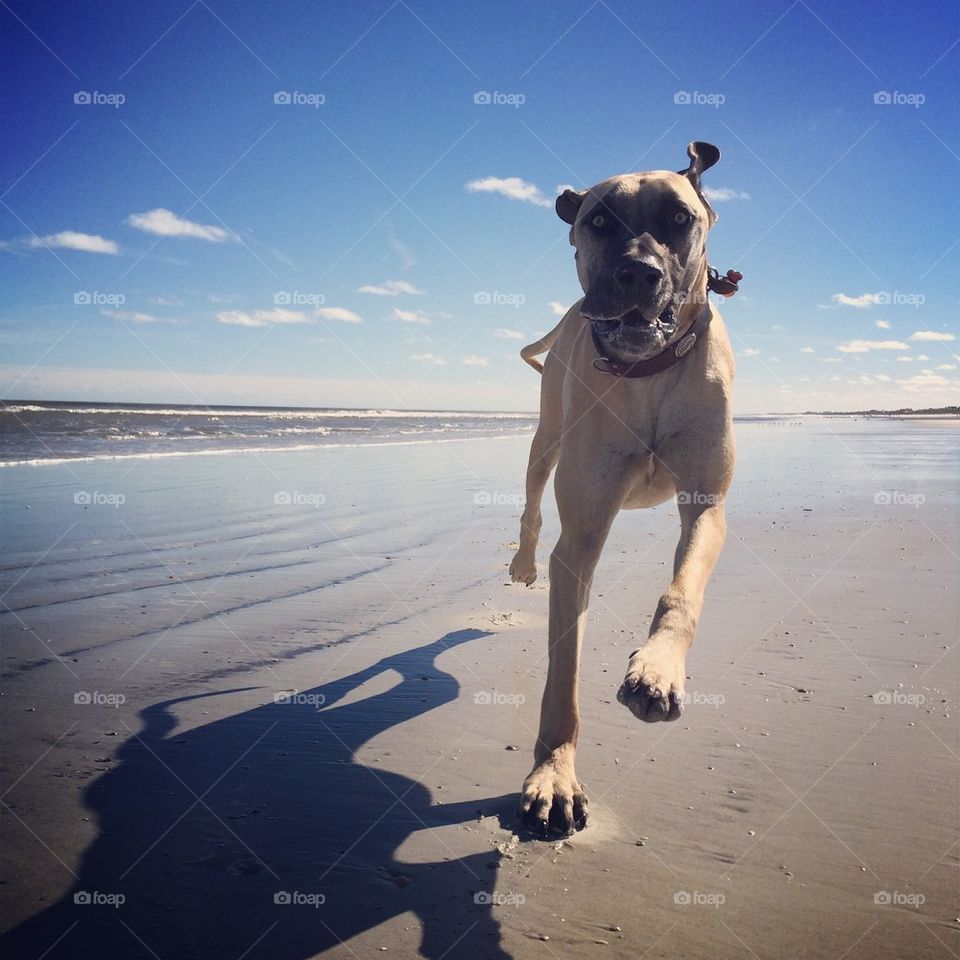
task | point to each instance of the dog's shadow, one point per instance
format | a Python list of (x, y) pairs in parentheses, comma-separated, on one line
[(261, 836)]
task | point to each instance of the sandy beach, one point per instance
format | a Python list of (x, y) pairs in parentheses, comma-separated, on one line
[(280, 705)]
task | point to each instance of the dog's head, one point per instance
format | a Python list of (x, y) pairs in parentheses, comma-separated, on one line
[(641, 252)]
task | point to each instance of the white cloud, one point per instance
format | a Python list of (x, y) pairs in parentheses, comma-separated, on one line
[(558, 308), (883, 324), (923, 381), (883, 378), (905, 359), (831, 359), (337, 313), (472, 361), (512, 187), (261, 318), (429, 358), (722, 194), (806, 349), (932, 335), (864, 300), (71, 240), (130, 316), (389, 288), (922, 356), (750, 352), (864, 346), (504, 334), (410, 316), (947, 366), (165, 223)]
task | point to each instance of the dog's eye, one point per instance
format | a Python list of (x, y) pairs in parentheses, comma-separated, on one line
[(599, 221), (681, 218)]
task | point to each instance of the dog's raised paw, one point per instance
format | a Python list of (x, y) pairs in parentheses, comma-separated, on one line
[(649, 704), (523, 570), (553, 804), (652, 690)]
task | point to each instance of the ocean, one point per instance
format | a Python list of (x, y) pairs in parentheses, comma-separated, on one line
[(43, 432)]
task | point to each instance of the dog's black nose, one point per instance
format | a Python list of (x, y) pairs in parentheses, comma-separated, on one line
[(641, 273)]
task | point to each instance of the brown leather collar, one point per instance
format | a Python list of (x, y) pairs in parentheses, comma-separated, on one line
[(667, 357)]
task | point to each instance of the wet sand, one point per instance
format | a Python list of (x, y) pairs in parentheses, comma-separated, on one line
[(155, 752)]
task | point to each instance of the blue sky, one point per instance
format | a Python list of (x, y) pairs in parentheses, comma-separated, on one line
[(182, 237)]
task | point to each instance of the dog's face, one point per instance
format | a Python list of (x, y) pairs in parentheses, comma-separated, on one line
[(641, 249)]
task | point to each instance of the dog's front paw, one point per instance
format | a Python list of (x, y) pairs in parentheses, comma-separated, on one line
[(523, 568), (553, 803), (653, 688)]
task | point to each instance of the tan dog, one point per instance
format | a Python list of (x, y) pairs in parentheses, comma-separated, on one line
[(634, 409)]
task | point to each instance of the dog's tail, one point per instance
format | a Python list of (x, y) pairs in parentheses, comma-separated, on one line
[(533, 350)]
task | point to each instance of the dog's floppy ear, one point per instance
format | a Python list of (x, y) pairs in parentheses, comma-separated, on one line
[(568, 205), (702, 157)]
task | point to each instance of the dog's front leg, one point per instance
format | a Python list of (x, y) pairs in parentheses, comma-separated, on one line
[(553, 800), (653, 686)]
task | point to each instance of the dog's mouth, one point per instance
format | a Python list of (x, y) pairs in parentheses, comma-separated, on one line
[(632, 332)]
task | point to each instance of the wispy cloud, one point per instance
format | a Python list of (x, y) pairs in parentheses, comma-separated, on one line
[(558, 308), (947, 366), (883, 324), (722, 194), (165, 223), (131, 316), (750, 352), (389, 288), (924, 381), (860, 302), (932, 336), (72, 240), (512, 187), (338, 313), (806, 349), (428, 358), (865, 346), (261, 318), (504, 334), (410, 316), (474, 361)]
